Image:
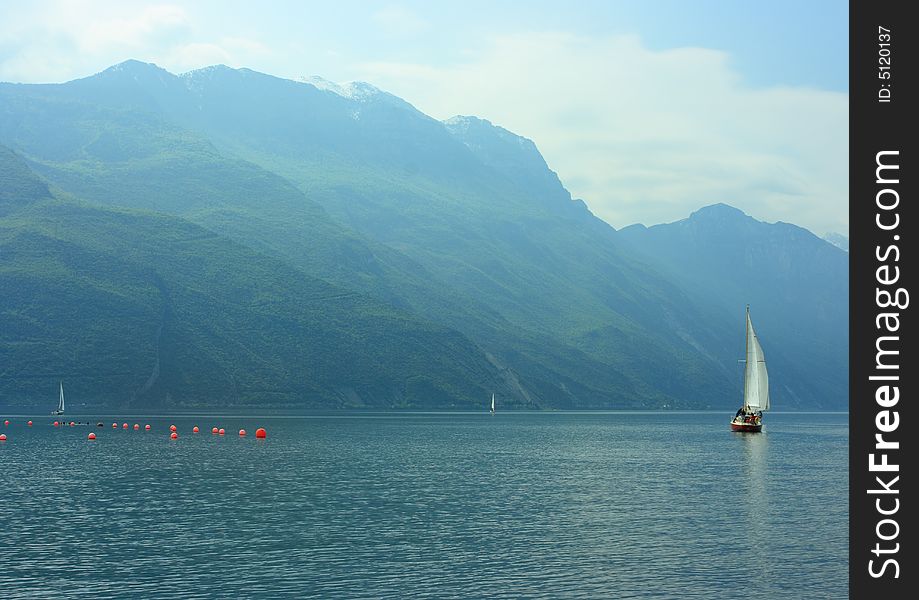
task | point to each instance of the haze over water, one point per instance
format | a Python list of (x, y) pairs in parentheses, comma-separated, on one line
[(394, 505)]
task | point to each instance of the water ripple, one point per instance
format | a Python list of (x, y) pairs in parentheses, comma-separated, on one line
[(599, 505)]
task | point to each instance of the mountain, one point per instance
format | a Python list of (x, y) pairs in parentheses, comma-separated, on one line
[(146, 309), (459, 223), (796, 284)]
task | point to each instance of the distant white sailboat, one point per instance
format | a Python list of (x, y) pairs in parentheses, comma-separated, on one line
[(492, 404), (60, 404)]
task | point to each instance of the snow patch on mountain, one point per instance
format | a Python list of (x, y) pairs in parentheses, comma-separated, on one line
[(357, 91)]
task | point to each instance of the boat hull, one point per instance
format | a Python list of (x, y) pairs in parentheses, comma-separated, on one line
[(748, 427)]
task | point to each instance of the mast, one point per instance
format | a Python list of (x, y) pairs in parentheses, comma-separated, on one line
[(746, 343)]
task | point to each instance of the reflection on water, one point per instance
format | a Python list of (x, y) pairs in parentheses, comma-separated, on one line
[(756, 506), (754, 473)]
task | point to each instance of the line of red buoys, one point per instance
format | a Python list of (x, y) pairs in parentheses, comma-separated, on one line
[(260, 433)]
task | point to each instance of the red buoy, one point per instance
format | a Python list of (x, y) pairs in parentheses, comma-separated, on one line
[(261, 433), (124, 426), (136, 426), (91, 436), (147, 427), (72, 423), (172, 428), (195, 429), (2, 437), (29, 423), (174, 435), (221, 431), (242, 433), (6, 422), (214, 430), (56, 423), (114, 425)]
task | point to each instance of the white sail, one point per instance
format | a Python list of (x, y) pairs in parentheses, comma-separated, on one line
[(756, 380), (492, 403), (60, 406)]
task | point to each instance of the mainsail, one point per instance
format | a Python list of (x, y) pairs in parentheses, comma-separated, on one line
[(60, 406), (755, 379), (492, 403)]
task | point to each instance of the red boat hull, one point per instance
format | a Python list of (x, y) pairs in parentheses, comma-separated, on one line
[(750, 427)]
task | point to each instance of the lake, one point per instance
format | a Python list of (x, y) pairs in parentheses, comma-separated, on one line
[(427, 505)]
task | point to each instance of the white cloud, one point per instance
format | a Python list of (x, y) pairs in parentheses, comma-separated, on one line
[(649, 136), (55, 41), (192, 56), (67, 39), (400, 21), (135, 31), (231, 51)]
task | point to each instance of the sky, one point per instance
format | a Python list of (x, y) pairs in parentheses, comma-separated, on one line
[(647, 110)]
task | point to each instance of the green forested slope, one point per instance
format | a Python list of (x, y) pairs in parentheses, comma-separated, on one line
[(146, 309)]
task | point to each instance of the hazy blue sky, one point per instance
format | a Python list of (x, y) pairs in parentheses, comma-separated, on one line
[(646, 109)]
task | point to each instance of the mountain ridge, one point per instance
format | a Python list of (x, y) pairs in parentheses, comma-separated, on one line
[(461, 223)]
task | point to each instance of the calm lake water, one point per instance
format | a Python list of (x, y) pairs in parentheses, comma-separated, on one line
[(460, 505)]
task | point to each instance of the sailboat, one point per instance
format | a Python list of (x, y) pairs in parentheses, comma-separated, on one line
[(755, 386), (60, 404), (492, 404)]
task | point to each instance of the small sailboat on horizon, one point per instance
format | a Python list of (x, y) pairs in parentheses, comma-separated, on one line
[(60, 404), (755, 386), (492, 404)]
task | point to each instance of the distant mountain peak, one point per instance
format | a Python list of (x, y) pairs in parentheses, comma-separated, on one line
[(353, 90), (133, 63), (721, 215), (211, 69), (357, 91), (131, 73), (135, 67), (719, 210), (717, 216)]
